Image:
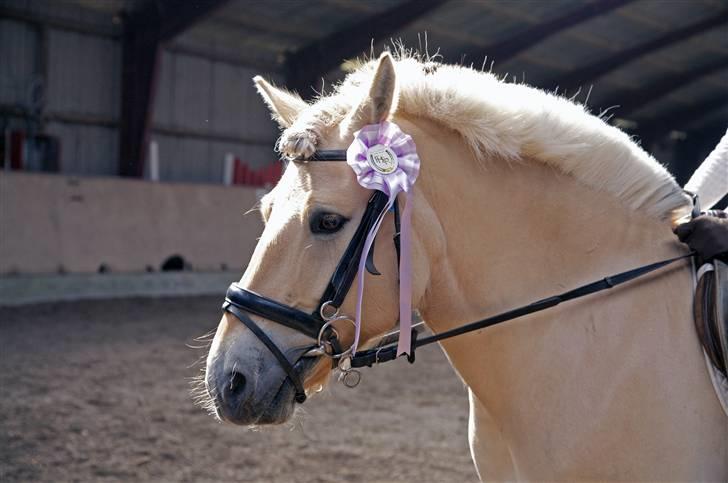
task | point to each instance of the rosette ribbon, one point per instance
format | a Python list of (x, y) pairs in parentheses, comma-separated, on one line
[(384, 158)]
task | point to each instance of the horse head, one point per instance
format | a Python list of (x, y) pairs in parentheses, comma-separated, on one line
[(310, 218)]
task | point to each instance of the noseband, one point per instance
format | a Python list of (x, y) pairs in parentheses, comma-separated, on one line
[(317, 325)]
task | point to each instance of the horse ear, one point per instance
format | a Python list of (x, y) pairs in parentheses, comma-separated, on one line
[(284, 106), (380, 100)]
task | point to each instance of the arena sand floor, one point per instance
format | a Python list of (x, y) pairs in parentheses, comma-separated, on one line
[(100, 391)]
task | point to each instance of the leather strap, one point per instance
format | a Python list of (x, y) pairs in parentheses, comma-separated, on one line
[(397, 229), (282, 360), (325, 155), (273, 310), (335, 292), (345, 272), (384, 354), (238, 300)]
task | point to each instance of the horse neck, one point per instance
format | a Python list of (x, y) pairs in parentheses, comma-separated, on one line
[(615, 380), (516, 233)]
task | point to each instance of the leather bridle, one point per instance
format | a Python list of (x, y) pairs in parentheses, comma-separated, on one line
[(318, 325)]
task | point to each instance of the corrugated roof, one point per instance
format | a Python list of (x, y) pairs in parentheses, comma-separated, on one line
[(267, 34)]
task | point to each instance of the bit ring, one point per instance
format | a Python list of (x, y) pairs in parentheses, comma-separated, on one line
[(329, 324)]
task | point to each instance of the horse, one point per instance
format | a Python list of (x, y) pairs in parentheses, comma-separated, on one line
[(521, 194)]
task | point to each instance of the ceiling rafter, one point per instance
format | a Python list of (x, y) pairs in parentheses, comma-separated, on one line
[(303, 67), (630, 101), (262, 24), (146, 30), (675, 119), (505, 49), (587, 74), (34, 18), (177, 16)]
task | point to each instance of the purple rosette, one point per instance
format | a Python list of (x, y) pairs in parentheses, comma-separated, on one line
[(384, 158)]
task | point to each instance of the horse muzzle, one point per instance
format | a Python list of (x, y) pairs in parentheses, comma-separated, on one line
[(248, 388)]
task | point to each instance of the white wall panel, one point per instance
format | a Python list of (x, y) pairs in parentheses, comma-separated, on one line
[(18, 50), (98, 149), (259, 124), (162, 112), (84, 74), (125, 224), (230, 98), (183, 159), (192, 76), (216, 158), (84, 83), (210, 97), (86, 150), (258, 156)]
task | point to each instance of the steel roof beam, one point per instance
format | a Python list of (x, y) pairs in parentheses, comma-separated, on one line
[(145, 31), (505, 49), (303, 67), (591, 72), (178, 15), (630, 101), (656, 128)]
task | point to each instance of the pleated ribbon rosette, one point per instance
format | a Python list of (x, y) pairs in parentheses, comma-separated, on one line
[(384, 158)]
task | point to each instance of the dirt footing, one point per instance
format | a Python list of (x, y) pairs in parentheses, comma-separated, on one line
[(95, 391)]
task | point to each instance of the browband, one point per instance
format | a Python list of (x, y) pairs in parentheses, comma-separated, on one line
[(325, 155)]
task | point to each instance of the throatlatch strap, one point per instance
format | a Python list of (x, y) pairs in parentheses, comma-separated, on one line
[(282, 360)]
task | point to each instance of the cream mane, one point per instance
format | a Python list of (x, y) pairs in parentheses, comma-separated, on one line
[(510, 121)]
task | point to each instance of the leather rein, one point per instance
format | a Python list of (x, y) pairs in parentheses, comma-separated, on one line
[(318, 325)]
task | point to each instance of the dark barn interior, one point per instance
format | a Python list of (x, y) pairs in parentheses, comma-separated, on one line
[(659, 68)]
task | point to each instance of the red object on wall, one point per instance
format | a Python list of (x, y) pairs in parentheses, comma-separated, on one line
[(272, 173), (267, 175), (40, 152), (239, 172), (17, 141)]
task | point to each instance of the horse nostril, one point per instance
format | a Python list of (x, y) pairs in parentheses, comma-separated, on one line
[(237, 382)]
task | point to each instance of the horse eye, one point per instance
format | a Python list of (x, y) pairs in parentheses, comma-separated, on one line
[(327, 223)]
